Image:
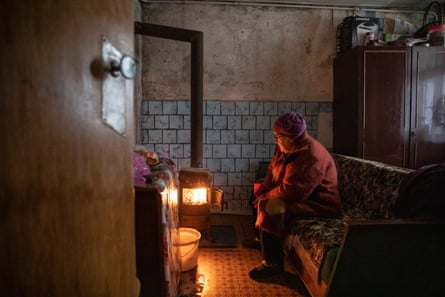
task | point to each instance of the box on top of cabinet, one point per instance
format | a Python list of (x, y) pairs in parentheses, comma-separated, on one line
[(352, 30)]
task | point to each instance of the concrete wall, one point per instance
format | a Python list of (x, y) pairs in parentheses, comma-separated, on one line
[(250, 53), (259, 62)]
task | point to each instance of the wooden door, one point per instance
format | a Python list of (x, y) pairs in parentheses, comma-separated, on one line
[(66, 195), (428, 107), (385, 114)]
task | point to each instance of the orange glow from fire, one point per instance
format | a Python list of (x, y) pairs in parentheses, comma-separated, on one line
[(194, 196), (174, 196)]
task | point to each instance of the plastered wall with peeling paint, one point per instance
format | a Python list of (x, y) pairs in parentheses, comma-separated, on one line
[(259, 62), (250, 53)]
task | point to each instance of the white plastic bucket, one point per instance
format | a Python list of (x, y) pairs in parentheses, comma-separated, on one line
[(188, 244)]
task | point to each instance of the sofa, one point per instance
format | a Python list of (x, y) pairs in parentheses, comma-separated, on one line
[(368, 251)]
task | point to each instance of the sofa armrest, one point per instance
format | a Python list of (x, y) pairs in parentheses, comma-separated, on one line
[(390, 258)]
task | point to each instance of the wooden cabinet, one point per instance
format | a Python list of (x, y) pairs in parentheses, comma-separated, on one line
[(428, 106), (156, 227), (388, 104)]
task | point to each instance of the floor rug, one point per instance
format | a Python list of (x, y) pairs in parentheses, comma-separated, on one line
[(221, 236)]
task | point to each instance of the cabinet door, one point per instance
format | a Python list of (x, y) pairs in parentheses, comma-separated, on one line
[(347, 94), (149, 244), (428, 107), (385, 106)]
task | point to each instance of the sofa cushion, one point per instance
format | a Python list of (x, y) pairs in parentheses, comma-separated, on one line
[(368, 188), (317, 235), (422, 193)]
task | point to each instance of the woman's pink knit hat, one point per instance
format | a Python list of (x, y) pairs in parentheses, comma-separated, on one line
[(291, 124)]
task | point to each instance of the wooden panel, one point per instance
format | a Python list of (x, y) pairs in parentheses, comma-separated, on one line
[(149, 245), (428, 126), (390, 259), (371, 103), (307, 270), (66, 198), (347, 90), (385, 124)]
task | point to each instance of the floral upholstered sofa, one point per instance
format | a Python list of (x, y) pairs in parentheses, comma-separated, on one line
[(368, 251)]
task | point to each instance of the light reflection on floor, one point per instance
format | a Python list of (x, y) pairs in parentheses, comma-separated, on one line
[(223, 272)]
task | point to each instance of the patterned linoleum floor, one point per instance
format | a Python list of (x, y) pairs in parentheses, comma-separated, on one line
[(223, 272)]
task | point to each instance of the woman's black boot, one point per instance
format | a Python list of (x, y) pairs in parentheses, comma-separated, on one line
[(273, 263)]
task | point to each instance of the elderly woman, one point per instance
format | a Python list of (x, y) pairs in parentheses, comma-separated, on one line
[(301, 181)]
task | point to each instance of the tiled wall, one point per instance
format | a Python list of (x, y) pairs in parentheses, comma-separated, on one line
[(237, 136)]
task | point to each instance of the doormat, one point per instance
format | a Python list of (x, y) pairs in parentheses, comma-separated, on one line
[(221, 236)]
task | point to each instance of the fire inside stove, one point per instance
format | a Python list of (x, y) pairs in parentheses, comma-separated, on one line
[(196, 198)]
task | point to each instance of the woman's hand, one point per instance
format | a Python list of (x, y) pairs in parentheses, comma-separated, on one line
[(260, 189), (258, 199)]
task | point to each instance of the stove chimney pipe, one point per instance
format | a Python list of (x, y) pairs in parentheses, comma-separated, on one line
[(196, 83)]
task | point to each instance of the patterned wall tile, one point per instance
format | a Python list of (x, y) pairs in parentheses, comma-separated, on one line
[(236, 135)]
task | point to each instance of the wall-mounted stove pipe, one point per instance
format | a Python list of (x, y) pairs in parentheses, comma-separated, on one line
[(196, 86), (196, 81)]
